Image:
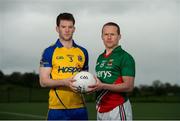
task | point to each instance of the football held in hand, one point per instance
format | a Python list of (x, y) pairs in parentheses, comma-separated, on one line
[(83, 80)]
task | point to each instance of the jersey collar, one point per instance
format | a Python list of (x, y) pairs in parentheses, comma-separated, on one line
[(118, 48), (59, 44)]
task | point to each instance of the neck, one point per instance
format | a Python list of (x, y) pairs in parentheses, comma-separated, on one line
[(109, 50), (66, 44)]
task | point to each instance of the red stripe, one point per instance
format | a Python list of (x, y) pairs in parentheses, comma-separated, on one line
[(106, 56), (122, 114), (111, 99), (119, 80)]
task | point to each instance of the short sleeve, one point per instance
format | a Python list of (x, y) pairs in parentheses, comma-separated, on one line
[(46, 58), (128, 66), (86, 65)]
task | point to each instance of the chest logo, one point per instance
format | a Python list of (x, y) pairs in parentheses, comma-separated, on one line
[(110, 62), (70, 58), (68, 69), (104, 74), (80, 58), (102, 64), (59, 57)]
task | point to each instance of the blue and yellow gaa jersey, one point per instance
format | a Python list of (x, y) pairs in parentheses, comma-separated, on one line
[(65, 63)]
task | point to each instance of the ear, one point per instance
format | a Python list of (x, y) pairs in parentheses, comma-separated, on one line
[(102, 36), (74, 29), (119, 37), (57, 29)]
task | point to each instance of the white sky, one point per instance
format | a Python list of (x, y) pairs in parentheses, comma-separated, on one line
[(150, 32)]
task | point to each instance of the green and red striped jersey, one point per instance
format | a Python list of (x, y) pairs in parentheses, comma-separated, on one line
[(110, 69)]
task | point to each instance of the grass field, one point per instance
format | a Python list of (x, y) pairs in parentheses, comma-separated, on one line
[(145, 111)]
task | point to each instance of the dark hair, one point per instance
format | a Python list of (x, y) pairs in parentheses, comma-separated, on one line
[(112, 24), (65, 16)]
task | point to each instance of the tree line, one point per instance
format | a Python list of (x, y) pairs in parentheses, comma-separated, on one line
[(31, 80)]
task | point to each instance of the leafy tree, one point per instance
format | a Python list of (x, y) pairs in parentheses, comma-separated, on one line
[(14, 78), (2, 81), (1, 74), (30, 80)]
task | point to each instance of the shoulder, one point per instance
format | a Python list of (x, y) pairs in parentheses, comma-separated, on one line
[(100, 57), (123, 53), (127, 57), (83, 49), (49, 50)]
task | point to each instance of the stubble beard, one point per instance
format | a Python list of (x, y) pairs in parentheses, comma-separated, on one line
[(111, 46), (66, 39)]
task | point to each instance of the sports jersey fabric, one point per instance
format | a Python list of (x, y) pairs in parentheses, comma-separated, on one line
[(110, 69), (65, 63)]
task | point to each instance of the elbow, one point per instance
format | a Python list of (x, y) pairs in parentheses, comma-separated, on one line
[(42, 83), (130, 89)]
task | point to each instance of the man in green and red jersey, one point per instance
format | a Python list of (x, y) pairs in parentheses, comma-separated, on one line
[(115, 69)]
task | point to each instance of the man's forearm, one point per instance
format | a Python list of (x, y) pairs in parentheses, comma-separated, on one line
[(118, 87), (51, 83)]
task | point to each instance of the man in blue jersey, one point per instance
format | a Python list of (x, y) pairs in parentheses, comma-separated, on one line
[(59, 63)]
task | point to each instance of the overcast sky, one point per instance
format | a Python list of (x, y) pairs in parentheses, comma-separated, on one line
[(150, 32)]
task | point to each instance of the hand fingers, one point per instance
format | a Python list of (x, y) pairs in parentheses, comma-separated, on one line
[(73, 80), (90, 91), (74, 88), (97, 80), (92, 86)]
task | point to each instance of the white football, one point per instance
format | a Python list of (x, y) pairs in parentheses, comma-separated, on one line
[(83, 80)]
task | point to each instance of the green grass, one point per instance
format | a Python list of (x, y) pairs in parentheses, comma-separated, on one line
[(158, 111), (141, 111), (37, 109)]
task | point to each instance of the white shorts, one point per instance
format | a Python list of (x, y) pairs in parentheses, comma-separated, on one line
[(121, 112)]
